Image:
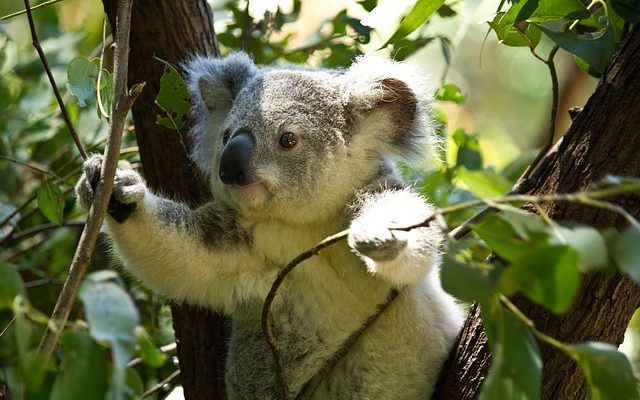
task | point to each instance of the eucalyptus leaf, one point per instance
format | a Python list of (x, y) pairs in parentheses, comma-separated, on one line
[(625, 252), (147, 350), (587, 241), (452, 93), (82, 75), (173, 98), (464, 282), (485, 183), (607, 371), (10, 285), (84, 372), (51, 201), (627, 9), (548, 275), (112, 318), (546, 10), (594, 48), (420, 12), (516, 367)]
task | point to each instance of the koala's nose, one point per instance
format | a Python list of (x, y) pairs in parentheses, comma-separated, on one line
[(235, 159)]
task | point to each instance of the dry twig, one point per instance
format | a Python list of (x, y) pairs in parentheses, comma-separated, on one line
[(122, 101)]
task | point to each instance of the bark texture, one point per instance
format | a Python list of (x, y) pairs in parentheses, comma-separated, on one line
[(173, 30), (604, 139)]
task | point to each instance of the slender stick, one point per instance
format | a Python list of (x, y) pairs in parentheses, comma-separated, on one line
[(122, 101), (267, 318), (160, 384), (15, 14)]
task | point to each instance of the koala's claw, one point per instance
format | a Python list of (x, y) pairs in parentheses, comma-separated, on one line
[(128, 189), (377, 244)]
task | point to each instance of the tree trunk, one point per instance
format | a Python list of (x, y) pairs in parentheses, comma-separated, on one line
[(604, 139), (173, 30)]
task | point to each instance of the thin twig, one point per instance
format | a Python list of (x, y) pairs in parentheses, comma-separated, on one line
[(122, 101), (34, 230), (42, 282), (52, 81), (32, 167), (160, 384), (15, 14), (267, 318)]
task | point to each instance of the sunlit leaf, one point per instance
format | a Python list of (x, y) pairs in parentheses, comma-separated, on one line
[(83, 373), (516, 367), (607, 371), (51, 201), (173, 98), (451, 92), (587, 241), (546, 10), (548, 275), (485, 183), (420, 12), (515, 34), (82, 75)]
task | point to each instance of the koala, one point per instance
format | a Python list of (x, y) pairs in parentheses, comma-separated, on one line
[(292, 156)]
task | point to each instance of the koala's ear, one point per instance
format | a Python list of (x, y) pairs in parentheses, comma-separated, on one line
[(398, 90), (215, 82)]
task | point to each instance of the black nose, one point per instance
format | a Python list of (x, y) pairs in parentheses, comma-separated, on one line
[(234, 161)]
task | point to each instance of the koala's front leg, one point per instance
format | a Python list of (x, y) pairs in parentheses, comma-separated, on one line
[(401, 257), (202, 256)]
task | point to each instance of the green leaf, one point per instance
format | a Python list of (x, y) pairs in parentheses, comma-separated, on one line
[(627, 9), (546, 10), (587, 241), (464, 282), (147, 350), (515, 34), (485, 183), (594, 48), (511, 232), (10, 285), (51, 201), (420, 12), (112, 318), (173, 98), (607, 371), (450, 92), (83, 373), (548, 275), (468, 155), (516, 367), (625, 252), (82, 75)]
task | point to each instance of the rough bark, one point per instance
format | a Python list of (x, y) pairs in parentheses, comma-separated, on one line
[(604, 139), (173, 30)]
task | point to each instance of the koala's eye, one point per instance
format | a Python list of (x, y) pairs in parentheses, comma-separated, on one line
[(225, 136), (287, 140)]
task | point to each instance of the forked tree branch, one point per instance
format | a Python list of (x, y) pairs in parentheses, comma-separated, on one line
[(122, 101)]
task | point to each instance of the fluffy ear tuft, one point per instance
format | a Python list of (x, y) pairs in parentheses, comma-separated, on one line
[(215, 82), (375, 84)]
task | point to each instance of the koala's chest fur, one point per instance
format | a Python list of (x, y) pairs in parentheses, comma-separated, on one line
[(324, 300)]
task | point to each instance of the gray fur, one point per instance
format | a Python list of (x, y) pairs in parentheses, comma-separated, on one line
[(349, 125)]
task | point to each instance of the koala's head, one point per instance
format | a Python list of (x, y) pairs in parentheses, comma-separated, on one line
[(295, 144)]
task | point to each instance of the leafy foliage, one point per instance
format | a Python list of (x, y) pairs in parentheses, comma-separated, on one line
[(117, 321)]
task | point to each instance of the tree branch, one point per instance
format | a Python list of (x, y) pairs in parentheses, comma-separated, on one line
[(52, 81), (122, 101)]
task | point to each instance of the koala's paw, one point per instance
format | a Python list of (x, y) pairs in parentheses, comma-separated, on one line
[(128, 189), (376, 242)]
